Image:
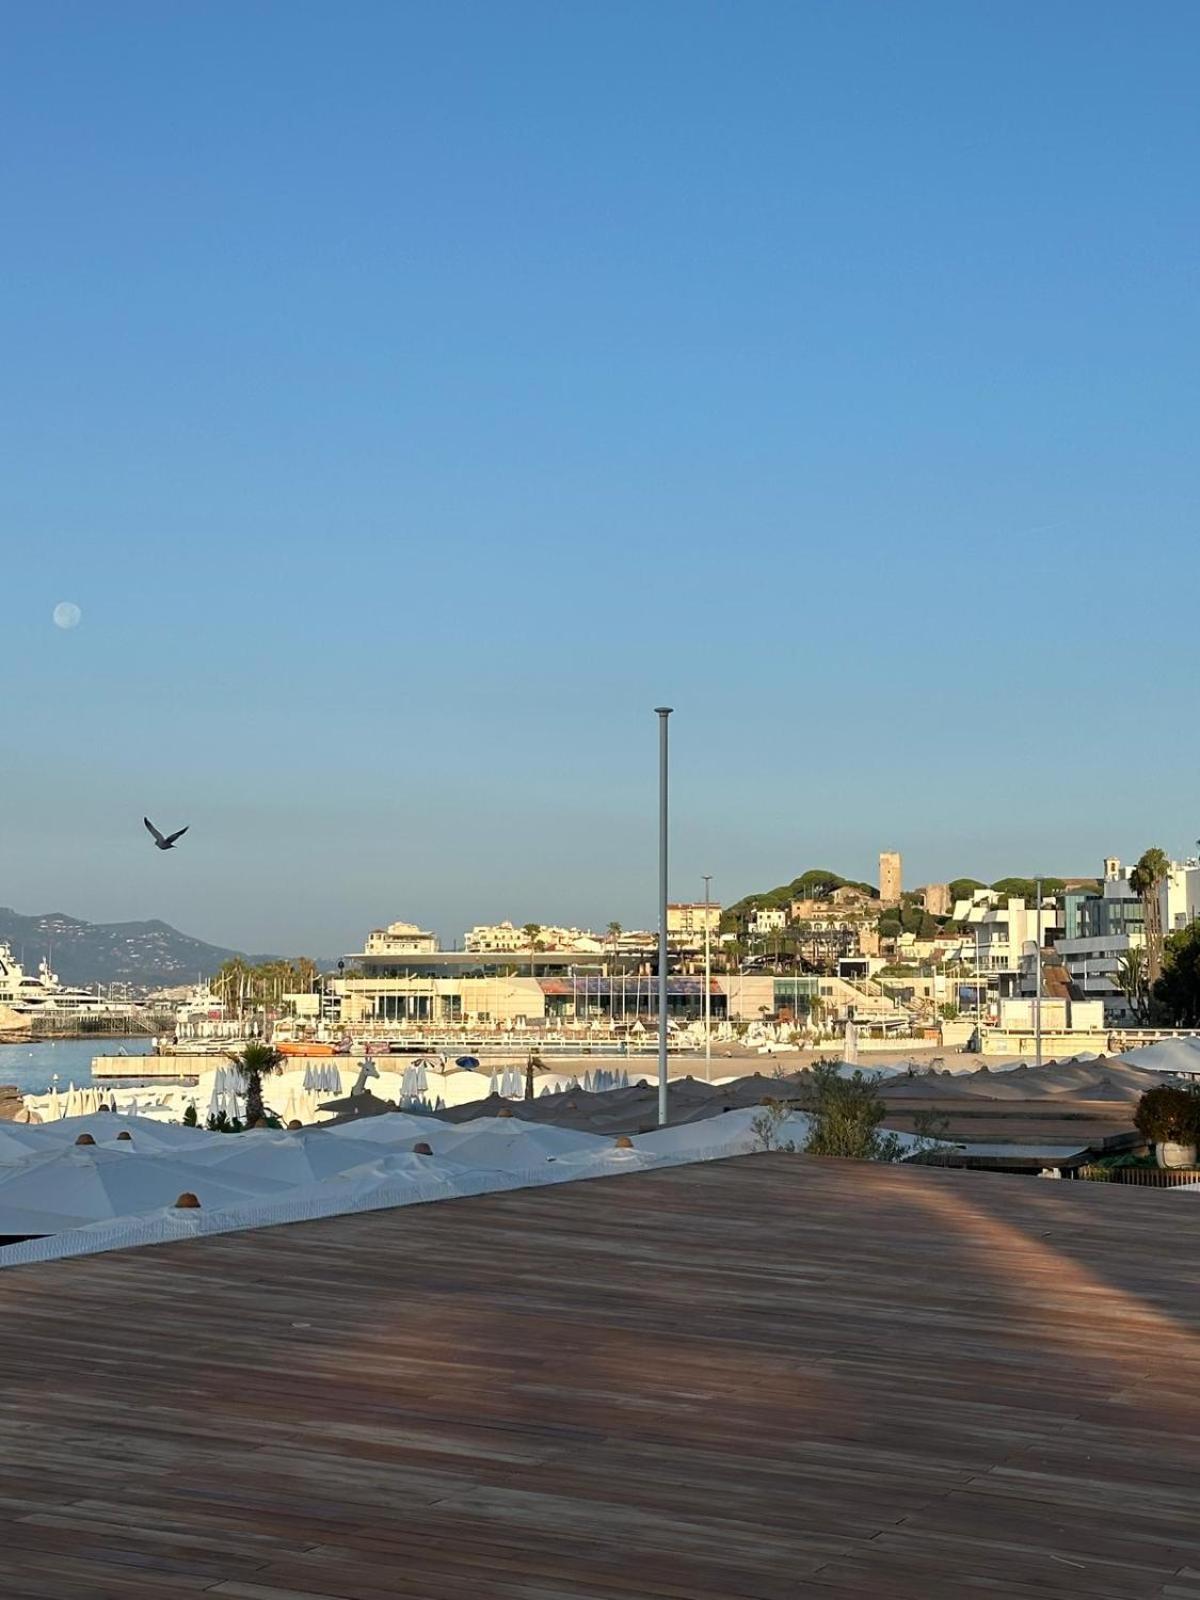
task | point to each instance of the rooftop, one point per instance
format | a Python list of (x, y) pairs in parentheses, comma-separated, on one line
[(464, 962), (764, 1377)]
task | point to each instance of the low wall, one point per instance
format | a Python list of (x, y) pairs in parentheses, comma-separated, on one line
[(154, 1069)]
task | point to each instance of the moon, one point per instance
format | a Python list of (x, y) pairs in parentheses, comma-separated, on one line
[(67, 614)]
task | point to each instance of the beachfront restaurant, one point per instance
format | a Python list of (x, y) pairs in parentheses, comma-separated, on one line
[(442, 987)]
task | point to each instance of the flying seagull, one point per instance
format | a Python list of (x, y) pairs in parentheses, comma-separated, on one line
[(164, 841)]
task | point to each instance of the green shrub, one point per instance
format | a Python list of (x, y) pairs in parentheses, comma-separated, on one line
[(1169, 1111), (846, 1115)]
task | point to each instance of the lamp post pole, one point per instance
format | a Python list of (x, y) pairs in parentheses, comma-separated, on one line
[(707, 981), (662, 713), (1037, 1003)]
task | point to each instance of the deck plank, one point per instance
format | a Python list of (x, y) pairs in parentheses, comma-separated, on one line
[(745, 1380)]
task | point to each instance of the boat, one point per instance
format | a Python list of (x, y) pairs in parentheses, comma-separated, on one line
[(29, 996)]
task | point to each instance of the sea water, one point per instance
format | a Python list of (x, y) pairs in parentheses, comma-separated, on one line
[(32, 1067)]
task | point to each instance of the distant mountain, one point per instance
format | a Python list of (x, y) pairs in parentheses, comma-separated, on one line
[(152, 955)]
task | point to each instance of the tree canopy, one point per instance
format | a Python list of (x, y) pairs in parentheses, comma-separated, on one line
[(1026, 888), (964, 888), (817, 883), (1178, 989), (239, 985)]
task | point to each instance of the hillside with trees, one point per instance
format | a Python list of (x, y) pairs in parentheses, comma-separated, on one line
[(817, 883), (146, 955)]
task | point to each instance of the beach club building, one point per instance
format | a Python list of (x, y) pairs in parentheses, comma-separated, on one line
[(524, 988), (402, 978)]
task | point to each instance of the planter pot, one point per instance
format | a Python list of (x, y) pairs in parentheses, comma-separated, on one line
[(1169, 1153)]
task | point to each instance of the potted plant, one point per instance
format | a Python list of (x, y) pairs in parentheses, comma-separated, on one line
[(1169, 1116)]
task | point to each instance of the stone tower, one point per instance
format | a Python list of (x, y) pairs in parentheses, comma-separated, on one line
[(889, 877)]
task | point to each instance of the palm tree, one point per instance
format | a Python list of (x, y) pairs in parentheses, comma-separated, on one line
[(1145, 880), (254, 1061), (229, 984), (1132, 981), (532, 931)]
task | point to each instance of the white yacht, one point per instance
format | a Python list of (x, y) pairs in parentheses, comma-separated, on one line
[(28, 995)]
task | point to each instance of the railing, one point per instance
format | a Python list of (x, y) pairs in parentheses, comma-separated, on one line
[(1145, 1177), (437, 1042), (97, 1024)]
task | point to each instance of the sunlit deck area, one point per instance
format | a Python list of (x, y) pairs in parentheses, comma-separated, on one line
[(759, 1378)]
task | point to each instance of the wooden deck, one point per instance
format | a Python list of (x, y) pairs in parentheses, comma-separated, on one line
[(757, 1379)]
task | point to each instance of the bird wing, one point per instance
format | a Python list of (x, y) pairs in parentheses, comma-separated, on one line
[(171, 837), (158, 838)]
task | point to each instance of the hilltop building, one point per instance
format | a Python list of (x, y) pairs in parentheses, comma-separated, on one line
[(935, 898), (768, 919), (890, 877)]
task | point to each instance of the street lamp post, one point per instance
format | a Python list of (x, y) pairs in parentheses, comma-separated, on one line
[(1037, 1002), (662, 713), (707, 981)]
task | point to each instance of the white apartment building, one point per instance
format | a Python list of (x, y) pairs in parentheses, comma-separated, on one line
[(686, 921), (997, 934), (1179, 895), (768, 919), (400, 938)]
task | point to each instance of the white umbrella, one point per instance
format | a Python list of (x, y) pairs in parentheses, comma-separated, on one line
[(509, 1143), (20, 1140), (81, 1184), (289, 1158), (54, 1106), (149, 1135)]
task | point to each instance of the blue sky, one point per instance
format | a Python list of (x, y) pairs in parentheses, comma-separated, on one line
[(414, 396)]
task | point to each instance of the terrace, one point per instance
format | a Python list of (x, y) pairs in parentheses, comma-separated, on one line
[(762, 1378)]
